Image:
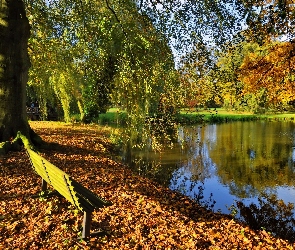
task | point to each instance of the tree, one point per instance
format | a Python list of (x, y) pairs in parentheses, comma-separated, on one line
[(269, 19), (105, 46), (271, 69), (14, 65), (227, 75), (271, 25), (196, 76)]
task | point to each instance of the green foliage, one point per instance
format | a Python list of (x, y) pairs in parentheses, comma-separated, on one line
[(227, 74), (121, 54), (233, 211), (113, 117), (62, 87), (96, 94), (97, 54)]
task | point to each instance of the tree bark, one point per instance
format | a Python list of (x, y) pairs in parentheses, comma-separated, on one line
[(14, 66)]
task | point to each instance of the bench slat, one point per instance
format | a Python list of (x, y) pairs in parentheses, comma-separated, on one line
[(83, 204), (61, 182), (95, 200), (74, 192), (45, 169), (39, 167)]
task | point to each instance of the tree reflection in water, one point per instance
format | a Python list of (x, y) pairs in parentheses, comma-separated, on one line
[(271, 214), (239, 161)]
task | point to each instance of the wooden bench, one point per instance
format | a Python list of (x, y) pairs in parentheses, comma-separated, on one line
[(33, 113), (82, 198)]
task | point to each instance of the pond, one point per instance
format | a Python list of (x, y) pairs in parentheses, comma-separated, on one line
[(220, 164)]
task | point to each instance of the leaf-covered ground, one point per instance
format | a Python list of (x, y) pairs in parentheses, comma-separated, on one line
[(144, 215)]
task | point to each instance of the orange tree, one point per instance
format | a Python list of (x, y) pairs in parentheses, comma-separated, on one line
[(271, 69), (272, 72)]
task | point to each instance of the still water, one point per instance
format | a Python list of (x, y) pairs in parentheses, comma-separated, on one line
[(220, 164)]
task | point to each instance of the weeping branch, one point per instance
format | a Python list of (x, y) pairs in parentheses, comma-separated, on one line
[(123, 30)]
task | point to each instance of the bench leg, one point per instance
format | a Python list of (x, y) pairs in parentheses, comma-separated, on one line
[(86, 228), (44, 185), (86, 225)]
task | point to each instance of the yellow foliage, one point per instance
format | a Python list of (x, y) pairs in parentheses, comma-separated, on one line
[(273, 71)]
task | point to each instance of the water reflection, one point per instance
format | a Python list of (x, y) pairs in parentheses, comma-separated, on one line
[(229, 162)]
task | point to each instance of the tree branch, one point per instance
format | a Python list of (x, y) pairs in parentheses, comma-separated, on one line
[(123, 30)]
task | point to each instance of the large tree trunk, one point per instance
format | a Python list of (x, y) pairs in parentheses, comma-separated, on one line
[(14, 66)]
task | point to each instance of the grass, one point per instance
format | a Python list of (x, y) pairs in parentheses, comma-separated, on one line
[(193, 116), (112, 116)]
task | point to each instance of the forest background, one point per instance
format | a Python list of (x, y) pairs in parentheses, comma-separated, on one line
[(153, 59)]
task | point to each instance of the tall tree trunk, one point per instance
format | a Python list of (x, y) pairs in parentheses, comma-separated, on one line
[(14, 66)]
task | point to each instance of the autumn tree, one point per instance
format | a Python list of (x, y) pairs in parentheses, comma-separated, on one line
[(227, 76), (271, 70), (196, 82), (271, 25), (265, 22)]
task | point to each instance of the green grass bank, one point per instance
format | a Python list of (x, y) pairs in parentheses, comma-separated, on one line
[(193, 116), (189, 116)]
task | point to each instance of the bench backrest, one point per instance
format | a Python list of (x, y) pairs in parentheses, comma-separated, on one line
[(74, 192)]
